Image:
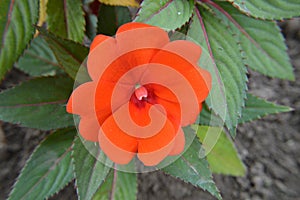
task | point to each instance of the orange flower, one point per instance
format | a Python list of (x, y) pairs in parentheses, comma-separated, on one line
[(144, 88)]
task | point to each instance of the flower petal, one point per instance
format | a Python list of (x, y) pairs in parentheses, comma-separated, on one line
[(81, 101), (198, 78), (118, 81), (103, 52), (181, 113), (132, 26), (172, 86), (107, 101), (97, 40), (153, 150), (186, 49), (89, 128), (169, 102), (115, 143), (135, 36), (179, 143), (140, 122), (143, 122), (130, 37)]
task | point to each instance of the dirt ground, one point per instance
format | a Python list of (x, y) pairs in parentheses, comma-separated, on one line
[(270, 148)]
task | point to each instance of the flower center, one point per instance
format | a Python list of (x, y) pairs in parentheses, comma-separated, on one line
[(140, 92)]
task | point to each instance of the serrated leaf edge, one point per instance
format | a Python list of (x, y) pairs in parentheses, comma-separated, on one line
[(249, 37), (29, 159), (26, 46), (163, 7), (266, 114), (249, 14), (74, 170), (19, 123)]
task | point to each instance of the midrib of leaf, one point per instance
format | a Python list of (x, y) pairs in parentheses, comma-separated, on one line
[(226, 14), (91, 175), (193, 168), (190, 165), (56, 162), (161, 9), (42, 59), (36, 104), (70, 53), (7, 23), (113, 187), (66, 17), (213, 60), (209, 47)]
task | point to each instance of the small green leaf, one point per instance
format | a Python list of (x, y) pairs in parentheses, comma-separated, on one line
[(167, 14), (16, 30), (256, 108), (66, 19), (89, 172), (223, 158), (111, 17), (272, 9), (118, 185), (261, 41), (193, 169), (39, 60), (228, 67), (48, 169), (38, 103), (69, 54)]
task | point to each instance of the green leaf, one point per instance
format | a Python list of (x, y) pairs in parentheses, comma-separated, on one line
[(256, 108), (216, 99), (192, 168), (111, 17), (66, 19), (271, 9), (16, 30), (223, 158), (209, 118), (261, 41), (167, 14), (69, 54), (39, 60), (38, 103), (48, 169), (210, 31), (118, 185), (89, 172)]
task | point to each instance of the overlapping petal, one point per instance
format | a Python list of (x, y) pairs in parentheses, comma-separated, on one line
[(118, 141), (81, 101), (183, 51), (135, 36), (89, 127), (107, 97), (173, 86), (175, 82)]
